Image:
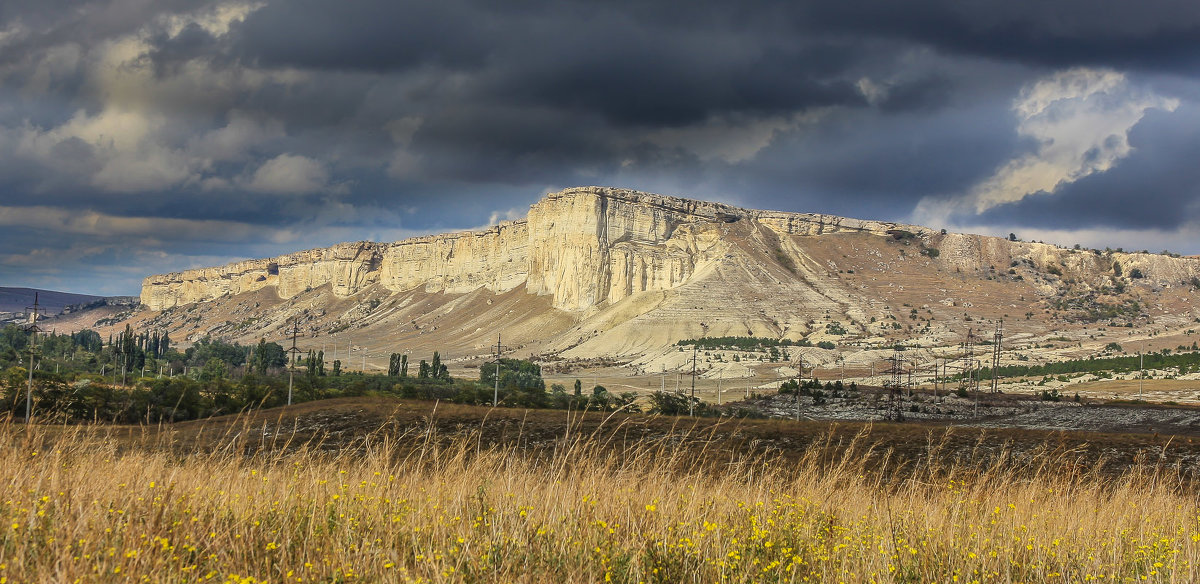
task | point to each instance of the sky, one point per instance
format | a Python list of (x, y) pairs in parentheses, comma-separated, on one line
[(146, 136)]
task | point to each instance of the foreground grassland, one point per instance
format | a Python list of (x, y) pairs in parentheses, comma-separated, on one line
[(81, 504)]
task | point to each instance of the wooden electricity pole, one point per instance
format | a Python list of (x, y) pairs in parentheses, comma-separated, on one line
[(496, 389), (292, 360), (34, 312), (692, 399)]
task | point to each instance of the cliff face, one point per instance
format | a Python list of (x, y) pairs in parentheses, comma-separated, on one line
[(348, 267), (610, 272), (581, 247), (585, 247)]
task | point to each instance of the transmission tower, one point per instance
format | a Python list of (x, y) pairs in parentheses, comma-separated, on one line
[(967, 365), (34, 312), (996, 341)]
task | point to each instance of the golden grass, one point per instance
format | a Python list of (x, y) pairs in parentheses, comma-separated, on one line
[(80, 505)]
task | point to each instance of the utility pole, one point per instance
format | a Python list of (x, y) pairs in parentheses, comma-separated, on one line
[(496, 390), (34, 312), (895, 387), (799, 381), (692, 399), (292, 360), (1141, 369)]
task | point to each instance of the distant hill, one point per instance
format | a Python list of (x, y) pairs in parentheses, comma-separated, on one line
[(16, 299)]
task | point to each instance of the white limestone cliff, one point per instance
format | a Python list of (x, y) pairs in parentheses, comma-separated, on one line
[(591, 246)]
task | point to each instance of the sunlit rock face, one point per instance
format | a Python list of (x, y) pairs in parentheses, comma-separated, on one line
[(594, 246), (580, 246)]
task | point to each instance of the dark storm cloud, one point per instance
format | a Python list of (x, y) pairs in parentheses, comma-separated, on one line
[(1162, 34), (879, 164), (634, 76), (309, 121), (570, 56), (48, 23), (485, 144), (375, 36)]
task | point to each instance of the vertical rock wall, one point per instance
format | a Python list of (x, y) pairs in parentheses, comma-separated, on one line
[(587, 246), (496, 259)]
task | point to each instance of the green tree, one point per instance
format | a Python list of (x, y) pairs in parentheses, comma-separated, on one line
[(267, 356), (669, 403), (213, 370), (520, 382)]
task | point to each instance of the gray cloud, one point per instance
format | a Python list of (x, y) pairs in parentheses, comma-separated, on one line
[(197, 132)]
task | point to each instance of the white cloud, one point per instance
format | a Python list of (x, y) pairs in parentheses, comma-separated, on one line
[(506, 215), (121, 141), (233, 140), (215, 20), (289, 174), (873, 92), (731, 139), (137, 126), (1080, 121)]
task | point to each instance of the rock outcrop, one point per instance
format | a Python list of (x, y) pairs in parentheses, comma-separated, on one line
[(617, 273), (582, 247)]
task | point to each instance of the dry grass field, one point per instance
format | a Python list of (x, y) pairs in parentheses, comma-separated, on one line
[(386, 491)]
